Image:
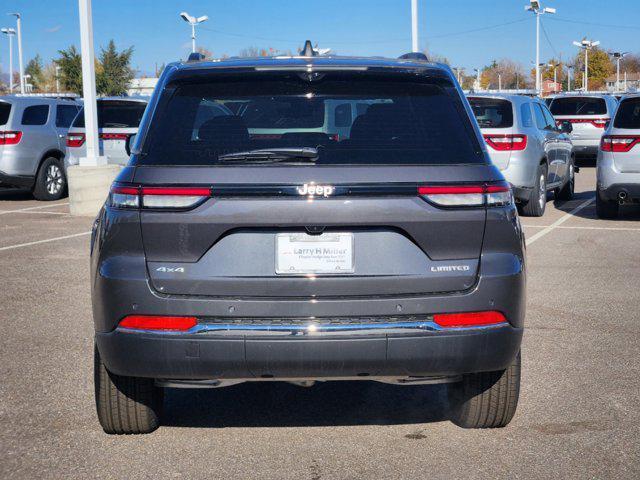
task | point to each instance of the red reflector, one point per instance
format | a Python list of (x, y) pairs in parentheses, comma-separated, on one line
[(599, 123), (503, 143), (469, 319), (10, 138), (152, 322), (114, 136), (188, 191), (619, 143), (75, 140)]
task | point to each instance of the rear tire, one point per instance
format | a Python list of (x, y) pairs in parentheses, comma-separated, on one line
[(537, 204), (566, 192), (51, 182), (125, 405), (486, 399), (606, 209)]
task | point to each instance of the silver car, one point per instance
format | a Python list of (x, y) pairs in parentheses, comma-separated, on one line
[(32, 143), (618, 166), (588, 114), (534, 155), (118, 120)]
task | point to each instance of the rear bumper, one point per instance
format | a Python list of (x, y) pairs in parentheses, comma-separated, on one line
[(632, 191), (22, 181), (312, 356), (586, 148)]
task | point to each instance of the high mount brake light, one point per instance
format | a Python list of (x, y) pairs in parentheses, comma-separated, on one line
[(75, 140), (504, 143), (469, 319), (493, 195), (619, 143), (10, 138), (157, 197), (155, 322)]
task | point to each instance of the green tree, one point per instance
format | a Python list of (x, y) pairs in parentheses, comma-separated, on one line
[(35, 69), (115, 73), (600, 67), (70, 64)]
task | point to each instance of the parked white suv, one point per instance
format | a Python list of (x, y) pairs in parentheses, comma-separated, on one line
[(618, 167)]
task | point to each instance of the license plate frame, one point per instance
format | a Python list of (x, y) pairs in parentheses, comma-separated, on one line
[(330, 253)]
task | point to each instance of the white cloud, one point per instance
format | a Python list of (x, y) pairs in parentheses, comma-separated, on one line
[(53, 29)]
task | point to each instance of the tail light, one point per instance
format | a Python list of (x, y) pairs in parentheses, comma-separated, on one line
[(619, 143), (469, 319), (157, 197), (490, 195), (75, 140), (598, 122), (504, 143), (10, 138), (154, 322)]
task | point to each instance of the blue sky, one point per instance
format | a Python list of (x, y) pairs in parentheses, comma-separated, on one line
[(351, 27)]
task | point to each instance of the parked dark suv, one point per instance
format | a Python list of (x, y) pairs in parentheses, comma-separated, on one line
[(225, 254)]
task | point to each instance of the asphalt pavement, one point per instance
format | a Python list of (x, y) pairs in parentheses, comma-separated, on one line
[(578, 415)]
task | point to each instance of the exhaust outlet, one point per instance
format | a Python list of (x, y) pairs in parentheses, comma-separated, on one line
[(622, 196)]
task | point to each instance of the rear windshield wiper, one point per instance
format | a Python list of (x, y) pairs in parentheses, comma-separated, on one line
[(272, 155)]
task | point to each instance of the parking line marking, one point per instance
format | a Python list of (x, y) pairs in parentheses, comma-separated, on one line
[(560, 221), (34, 208), (34, 213), (47, 240), (567, 227)]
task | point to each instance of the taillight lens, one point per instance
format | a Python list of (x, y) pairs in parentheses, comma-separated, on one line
[(114, 136), (10, 138), (619, 143), (599, 122), (157, 197), (156, 322), (503, 143), (469, 319), (75, 140), (490, 195)]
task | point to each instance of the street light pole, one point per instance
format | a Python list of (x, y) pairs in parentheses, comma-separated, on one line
[(193, 21), (534, 6), (586, 45), (10, 32), (414, 25), (569, 68), (499, 82), (19, 29), (618, 56)]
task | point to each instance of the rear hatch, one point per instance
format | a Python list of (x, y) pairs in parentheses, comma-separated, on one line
[(117, 121), (226, 213), (623, 140), (496, 121), (588, 116)]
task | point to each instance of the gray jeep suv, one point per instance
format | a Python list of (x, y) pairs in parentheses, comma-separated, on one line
[(33, 133), (391, 253)]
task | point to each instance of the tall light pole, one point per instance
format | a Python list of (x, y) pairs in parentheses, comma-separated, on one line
[(193, 21), (414, 25), (499, 82), (10, 32), (19, 29), (569, 69), (477, 70), (586, 45), (618, 56), (537, 10), (58, 68)]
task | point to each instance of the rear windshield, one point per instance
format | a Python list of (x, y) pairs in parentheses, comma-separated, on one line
[(5, 110), (359, 121), (579, 106), (628, 115), (492, 112), (115, 114)]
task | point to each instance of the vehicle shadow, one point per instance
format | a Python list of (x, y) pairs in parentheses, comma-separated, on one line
[(343, 403), (15, 194)]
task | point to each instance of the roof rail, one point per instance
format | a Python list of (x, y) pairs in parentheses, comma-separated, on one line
[(196, 57), (62, 96), (414, 56)]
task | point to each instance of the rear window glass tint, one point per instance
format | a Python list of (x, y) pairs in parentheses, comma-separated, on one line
[(628, 115), (579, 106), (35, 115), (492, 112), (65, 115), (116, 114), (5, 110), (525, 113), (403, 122)]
